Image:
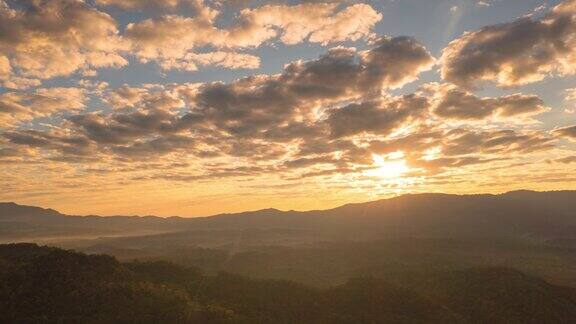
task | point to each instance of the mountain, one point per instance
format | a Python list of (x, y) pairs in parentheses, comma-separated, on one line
[(500, 295), (542, 215), (534, 232), (50, 285), (14, 212)]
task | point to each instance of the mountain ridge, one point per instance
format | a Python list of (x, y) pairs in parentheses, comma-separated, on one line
[(519, 214), (532, 231), (10, 204)]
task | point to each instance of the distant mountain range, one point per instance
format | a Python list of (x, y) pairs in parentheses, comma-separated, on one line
[(528, 214), (520, 214), (531, 231)]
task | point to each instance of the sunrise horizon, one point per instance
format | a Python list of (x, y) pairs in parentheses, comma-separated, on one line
[(281, 209), (288, 161), (198, 107)]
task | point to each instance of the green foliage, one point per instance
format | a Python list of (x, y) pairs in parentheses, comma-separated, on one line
[(501, 295), (50, 285), (369, 300)]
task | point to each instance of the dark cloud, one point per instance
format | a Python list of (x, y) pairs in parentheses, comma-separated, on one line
[(394, 62), (254, 150), (211, 174), (9, 152), (253, 117), (567, 132), (460, 141), (567, 160), (452, 102), (377, 117), (125, 127), (254, 105), (66, 145), (515, 53), (156, 147)]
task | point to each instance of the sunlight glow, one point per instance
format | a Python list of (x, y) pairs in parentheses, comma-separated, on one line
[(432, 154), (392, 165)]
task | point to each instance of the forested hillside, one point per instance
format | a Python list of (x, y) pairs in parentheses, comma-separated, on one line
[(51, 285)]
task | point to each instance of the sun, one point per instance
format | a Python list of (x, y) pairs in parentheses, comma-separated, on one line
[(390, 166)]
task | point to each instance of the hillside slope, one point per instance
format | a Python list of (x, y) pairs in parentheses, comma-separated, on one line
[(47, 285)]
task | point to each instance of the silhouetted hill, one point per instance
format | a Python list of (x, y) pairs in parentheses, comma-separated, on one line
[(532, 231), (500, 295), (441, 215), (50, 285), (547, 215), (14, 212)]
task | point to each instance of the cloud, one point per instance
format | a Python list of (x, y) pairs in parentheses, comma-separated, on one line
[(69, 146), (125, 96), (567, 132), (460, 146), (16, 107), (393, 62), (174, 41), (451, 102), (47, 39), (254, 104), (124, 128), (229, 60), (319, 117), (19, 83), (158, 146), (151, 99), (140, 4), (317, 22), (377, 117), (253, 116), (172, 37), (59, 37), (570, 98), (516, 53), (567, 160), (570, 94), (309, 161), (450, 162), (483, 3), (5, 68), (248, 3), (462, 141), (212, 174)]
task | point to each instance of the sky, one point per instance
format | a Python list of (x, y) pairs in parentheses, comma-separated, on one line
[(199, 107)]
